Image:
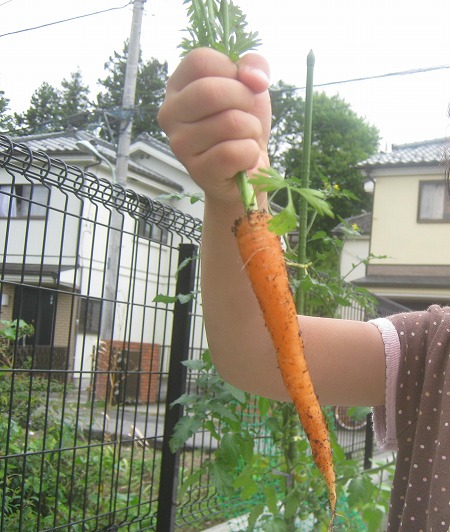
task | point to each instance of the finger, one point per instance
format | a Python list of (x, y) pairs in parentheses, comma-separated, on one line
[(254, 71), (231, 124), (201, 63), (209, 96), (222, 162)]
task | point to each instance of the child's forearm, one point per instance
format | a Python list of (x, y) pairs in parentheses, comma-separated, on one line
[(239, 342)]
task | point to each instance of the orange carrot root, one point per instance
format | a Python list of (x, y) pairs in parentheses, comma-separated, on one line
[(263, 257)]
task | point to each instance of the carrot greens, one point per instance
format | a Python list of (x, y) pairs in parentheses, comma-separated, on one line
[(220, 25)]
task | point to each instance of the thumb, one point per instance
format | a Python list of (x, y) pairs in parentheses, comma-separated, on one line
[(254, 71)]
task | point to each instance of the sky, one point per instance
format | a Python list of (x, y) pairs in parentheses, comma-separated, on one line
[(350, 39)]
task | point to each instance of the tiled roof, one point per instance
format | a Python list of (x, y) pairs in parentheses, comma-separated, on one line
[(160, 146), (59, 142), (418, 153), (65, 143)]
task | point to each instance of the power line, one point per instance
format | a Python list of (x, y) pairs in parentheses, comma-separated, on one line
[(65, 20), (367, 78), (137, 108), (7, 2)]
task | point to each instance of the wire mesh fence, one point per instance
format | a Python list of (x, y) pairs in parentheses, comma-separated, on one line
[(93, 336)]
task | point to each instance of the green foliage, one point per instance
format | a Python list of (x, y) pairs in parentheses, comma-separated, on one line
[(340, 140), (54, 109), (24, 398), (76, 107), (50, 475), (70, 481), (21, 396), (215, 402), (180, 298), (270, 180), (57, 108), (11, 333), (220, 25), (150, 90), (15, 330), (6, 118), (263, 459), (44, 111)]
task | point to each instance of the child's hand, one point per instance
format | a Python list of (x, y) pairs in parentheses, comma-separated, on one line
[(217, 116)]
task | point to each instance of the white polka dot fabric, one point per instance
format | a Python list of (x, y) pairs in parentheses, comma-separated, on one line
[(420, 498)]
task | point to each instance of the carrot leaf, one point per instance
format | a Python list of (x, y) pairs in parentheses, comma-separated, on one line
[(286, 220), (218, 24), (316, 199), (269, 180)]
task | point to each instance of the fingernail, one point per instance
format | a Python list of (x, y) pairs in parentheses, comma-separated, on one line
[(261, 75)]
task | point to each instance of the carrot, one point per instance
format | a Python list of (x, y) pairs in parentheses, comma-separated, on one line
[(263, 257)]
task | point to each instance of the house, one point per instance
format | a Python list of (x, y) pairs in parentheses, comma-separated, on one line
[(355, 232), (66, 252), (410, 226)]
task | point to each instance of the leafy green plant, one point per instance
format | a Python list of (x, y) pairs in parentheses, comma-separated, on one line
[(263, 459), (11, 333), (22, 395), (218, 24), (70, 481)]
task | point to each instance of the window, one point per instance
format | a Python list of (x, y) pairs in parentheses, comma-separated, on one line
[(152, 232), (149, 229), (23, 201), (434, 202)]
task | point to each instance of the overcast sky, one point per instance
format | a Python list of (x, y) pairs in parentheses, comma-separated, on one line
[(350, 39)]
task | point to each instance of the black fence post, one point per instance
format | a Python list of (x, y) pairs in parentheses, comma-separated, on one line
[(176, 386), (368, 447)]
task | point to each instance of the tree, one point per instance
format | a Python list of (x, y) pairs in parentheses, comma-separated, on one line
[(340, 140), (44, 112), (76, 108), (150, 91), (151, 82), (5, 118), (53, 109)]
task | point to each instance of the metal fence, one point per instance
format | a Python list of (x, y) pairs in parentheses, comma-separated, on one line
[(85, 421)]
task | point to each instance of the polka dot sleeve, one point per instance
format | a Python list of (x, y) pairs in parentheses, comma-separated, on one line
[(420, 496), (384, 416)]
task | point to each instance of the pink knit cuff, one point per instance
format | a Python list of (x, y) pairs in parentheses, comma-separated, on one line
[(384, 416)]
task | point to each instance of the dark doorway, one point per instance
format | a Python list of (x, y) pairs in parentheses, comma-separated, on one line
[(35, 305)]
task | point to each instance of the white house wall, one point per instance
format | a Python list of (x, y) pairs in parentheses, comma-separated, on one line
[(55, 238), (394, 222), (354, 251)]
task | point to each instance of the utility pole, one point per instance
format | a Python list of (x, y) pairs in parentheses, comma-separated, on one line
[(129, 93), (119, 176)]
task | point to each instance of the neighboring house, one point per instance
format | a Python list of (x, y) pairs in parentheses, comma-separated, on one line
[(355, 233), (61, 250), (410, 226)]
